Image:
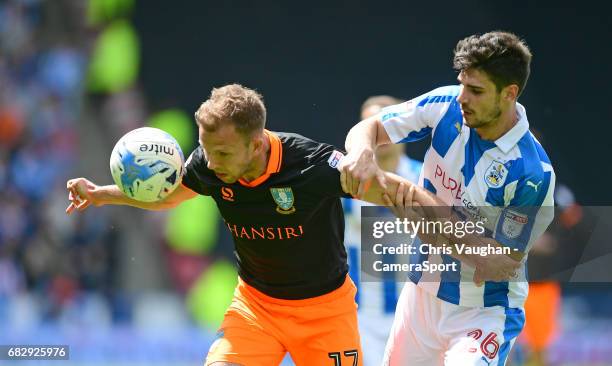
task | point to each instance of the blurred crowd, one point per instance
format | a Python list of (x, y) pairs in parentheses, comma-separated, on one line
[(43, 55), (68, 91)]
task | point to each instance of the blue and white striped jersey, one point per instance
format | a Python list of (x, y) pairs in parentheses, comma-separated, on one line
[(380, 297), (505, 182)]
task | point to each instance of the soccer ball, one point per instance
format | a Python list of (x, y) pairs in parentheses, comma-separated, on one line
[(147, 164)]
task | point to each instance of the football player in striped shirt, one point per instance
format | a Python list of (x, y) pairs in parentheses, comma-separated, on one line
[(483, 161)]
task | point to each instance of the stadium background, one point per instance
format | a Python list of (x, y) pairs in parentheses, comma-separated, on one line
[(122, 286)]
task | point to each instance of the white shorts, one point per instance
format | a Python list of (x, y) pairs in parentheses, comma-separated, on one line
[(428, 331)]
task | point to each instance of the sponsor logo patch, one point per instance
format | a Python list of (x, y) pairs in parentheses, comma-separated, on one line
[(335, 158), (513, 224)]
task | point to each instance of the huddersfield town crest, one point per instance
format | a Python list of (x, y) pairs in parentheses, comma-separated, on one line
[(496, 174), (284, 199)]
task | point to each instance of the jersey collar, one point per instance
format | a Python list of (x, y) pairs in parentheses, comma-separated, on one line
[(507, 141), (274, 162)]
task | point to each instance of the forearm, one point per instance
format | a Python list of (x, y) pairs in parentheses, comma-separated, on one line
[(423, 197), (472, 259), (433, 209), (364, 136), (112, 195), (469, 246), (487, 263), (361, 136)]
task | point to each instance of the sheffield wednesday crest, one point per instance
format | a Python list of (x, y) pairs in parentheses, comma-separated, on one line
[(284, 199)]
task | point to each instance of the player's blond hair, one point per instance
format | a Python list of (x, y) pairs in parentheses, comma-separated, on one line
[(235, 104)]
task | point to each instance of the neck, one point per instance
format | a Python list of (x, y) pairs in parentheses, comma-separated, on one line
[(496, 129), (259, 163), (388, 163)]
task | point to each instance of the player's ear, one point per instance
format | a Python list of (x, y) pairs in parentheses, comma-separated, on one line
[(257, 142), (510, 92)]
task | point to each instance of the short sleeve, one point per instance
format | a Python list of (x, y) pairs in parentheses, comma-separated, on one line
[(416, 118), (325, 160), (195, 166)]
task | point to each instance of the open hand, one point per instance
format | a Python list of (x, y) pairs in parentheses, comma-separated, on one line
[(81, 194)]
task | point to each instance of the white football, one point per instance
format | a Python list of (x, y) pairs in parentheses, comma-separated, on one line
[(147, 164)]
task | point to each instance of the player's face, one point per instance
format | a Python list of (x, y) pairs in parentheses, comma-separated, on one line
[(229, 154), (479, 99)]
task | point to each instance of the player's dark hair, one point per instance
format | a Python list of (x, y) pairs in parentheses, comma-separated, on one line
[(502, 55), (236, 104)]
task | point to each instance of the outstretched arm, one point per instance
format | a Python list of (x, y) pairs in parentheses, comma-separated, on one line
[(376, 193), (407, 199), (83, 193)]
